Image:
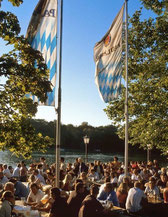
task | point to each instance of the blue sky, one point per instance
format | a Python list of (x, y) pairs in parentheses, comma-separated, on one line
[(85, 22)]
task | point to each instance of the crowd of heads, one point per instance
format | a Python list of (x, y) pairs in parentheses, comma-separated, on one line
[(79, 177)]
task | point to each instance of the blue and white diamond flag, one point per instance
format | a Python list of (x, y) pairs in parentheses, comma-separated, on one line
[(42, 35), (107, 56)]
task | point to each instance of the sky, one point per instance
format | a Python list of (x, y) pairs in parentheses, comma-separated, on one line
[(85, 22)]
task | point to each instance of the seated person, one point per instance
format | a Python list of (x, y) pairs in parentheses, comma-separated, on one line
[(93, 175), (135, 175), (67, 182), (39, 177), (162, 181), (3, 178), (122, 193), (32, 179), (75, 199), (108, 194), (151, 188), (99, 169), (35, 195), (135, 198), (114, 179), (91, 207), (50, 178), (103, 185), (85, 180), (6, 171), (9, 186), (165, 194), (59, 207), (7, 202), (45, 203), (20, 189)]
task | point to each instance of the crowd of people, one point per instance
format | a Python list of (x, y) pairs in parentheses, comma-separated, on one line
[(86, 189)]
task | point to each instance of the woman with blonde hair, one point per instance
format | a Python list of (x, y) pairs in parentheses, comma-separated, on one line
[(67, 182), (122, 193)]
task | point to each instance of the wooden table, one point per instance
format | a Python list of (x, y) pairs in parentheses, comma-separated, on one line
[(116, 211), (154, 200), (156, 208), (28, 213)]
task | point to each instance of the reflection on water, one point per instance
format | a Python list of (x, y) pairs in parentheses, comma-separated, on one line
[(10, 159)]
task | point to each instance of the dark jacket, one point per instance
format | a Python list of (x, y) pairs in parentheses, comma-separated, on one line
[(74, 202), (60, 208), (91, 207), (80, 168)]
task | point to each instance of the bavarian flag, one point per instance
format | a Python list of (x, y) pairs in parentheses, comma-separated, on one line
[(107, 57), (42, 36)]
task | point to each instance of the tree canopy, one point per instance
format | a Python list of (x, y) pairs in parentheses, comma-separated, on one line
[(102, 138), (24, 71), (148, 80)]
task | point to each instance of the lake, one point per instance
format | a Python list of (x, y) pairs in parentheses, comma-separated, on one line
[(70, 156)]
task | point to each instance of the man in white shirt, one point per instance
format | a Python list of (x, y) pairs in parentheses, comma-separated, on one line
[(134, 199), (16, 172), (121, 176), (62, 164), (35, 195), (39, 176)]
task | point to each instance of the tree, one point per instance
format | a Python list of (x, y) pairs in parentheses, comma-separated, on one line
[(148, 81), (21, 77)]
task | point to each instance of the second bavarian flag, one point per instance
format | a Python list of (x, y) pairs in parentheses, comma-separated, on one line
[(107, 56)]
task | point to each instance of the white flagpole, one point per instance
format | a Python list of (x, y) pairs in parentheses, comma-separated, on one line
[(58, 110), (126, 93)]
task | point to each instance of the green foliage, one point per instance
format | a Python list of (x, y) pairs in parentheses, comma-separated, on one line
[(15, 2), (148, 83), (21, 78), (158, 6), (104, 138)]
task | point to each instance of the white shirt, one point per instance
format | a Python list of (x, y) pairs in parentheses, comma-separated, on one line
[(134, 177), (101, 189), (134, 198), (120, 178), (41, 178), (114, 180), (95, 176), (16, 172), (36, 198), (7, 173)]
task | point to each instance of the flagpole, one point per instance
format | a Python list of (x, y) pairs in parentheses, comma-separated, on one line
[(126, 92), (58, 110)]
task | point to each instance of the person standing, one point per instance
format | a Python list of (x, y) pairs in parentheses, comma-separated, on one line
[(16, 171), (23, 172)]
